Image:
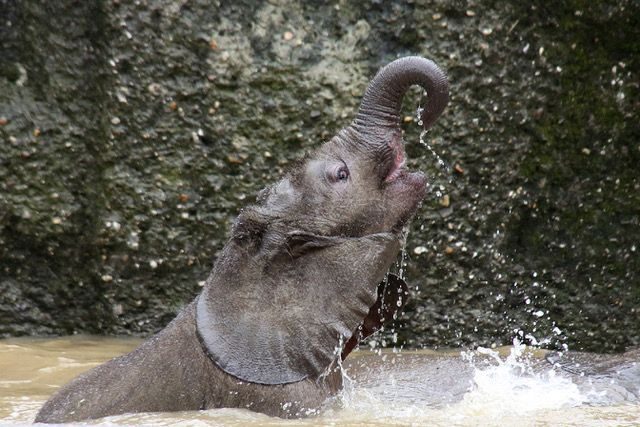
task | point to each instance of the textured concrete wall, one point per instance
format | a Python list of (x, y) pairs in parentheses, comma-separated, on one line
[(131, 133)]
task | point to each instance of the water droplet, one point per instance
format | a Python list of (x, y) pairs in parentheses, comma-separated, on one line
[(442, 165)]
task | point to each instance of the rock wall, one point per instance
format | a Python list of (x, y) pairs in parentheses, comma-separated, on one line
[(131, 133)]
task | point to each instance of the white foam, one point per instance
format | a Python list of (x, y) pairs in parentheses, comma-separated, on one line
[(503, 389), (511, 387)]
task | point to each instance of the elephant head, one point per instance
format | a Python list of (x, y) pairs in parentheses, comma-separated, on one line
[(300, 271)]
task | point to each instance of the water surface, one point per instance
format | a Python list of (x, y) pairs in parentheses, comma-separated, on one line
[(411, 388)]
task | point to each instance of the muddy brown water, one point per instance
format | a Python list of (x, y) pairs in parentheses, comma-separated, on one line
[(409, 388)]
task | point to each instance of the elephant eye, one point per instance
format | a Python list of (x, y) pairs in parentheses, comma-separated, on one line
[(342, 174), (338, 173)]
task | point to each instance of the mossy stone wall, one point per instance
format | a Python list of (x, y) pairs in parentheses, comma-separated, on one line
[(131, 133)]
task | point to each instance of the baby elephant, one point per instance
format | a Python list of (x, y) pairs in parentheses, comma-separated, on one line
[(296, 285)]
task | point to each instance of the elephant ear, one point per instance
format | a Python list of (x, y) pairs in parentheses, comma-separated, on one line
[(283, 319)]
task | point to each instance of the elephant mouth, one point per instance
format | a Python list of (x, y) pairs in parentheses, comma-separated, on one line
[(398, 166), (396, 161), (406, 187), (398, 173)]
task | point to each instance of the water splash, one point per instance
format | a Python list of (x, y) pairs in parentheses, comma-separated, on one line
[(403, 252), (442, 165), (479, 388), (540, 319), (513, 386)]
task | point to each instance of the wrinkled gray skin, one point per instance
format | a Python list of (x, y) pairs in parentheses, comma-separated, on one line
[(295, 281)]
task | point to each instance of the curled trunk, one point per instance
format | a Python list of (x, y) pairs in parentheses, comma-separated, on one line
[(382, 101)]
